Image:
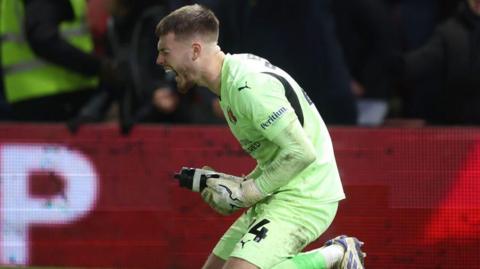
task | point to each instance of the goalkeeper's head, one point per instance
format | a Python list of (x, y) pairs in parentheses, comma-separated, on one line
[(188, 46)]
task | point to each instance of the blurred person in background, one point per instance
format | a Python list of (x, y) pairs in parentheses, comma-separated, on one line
[(325, 70), (49, 68), (149, 93), (125, 40), (364, 30), (277, 28), (414, 23), (451, 61), (4, 107)]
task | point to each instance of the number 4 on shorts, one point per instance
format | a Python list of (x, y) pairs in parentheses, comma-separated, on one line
[(259, 231)]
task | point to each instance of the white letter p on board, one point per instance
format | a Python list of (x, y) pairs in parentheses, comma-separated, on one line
[(20, 210)]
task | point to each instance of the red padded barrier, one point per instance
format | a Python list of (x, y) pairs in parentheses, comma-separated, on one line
[(413, 196)]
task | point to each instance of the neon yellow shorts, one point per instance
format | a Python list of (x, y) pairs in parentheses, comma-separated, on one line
[(274, 230)]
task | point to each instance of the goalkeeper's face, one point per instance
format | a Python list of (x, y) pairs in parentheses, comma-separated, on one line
[(177, 56)]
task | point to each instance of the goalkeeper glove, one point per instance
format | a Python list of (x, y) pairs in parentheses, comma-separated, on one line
[(223, 192), (226, 196), (195, 179)]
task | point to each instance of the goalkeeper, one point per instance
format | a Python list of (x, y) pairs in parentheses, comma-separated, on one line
[(292, 195)]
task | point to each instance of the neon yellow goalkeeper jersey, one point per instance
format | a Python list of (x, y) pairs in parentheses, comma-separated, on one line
[(259, 101)]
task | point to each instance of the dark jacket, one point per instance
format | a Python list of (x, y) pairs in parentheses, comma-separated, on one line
[(41, 26), (366, 34), (452, 59)]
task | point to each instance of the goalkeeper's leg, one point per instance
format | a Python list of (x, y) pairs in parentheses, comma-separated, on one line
[(273, 231), (340, 252), (213, 262)]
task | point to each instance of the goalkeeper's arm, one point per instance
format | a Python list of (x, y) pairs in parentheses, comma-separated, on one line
[(296, 153), (256, 172)]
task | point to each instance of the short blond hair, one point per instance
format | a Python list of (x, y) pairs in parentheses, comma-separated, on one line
[(188, 21)]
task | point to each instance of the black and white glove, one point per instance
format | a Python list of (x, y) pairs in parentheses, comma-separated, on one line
[(227, 196), (195, 179), (224, 193)]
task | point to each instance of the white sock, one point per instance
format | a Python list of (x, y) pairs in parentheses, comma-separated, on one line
[(333, 254)]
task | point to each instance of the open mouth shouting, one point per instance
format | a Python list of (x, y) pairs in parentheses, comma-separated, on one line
[(183, 84)]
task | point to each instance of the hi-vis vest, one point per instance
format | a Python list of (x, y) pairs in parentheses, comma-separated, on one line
[(26, 76)]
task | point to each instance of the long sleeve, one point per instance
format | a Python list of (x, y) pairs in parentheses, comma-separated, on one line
[(256, 172), (42, 20), (296, 153)]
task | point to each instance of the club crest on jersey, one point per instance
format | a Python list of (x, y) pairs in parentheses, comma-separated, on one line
[(231, 117)]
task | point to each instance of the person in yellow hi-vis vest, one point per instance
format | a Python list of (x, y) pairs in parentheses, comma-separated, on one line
[(49, 68)]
